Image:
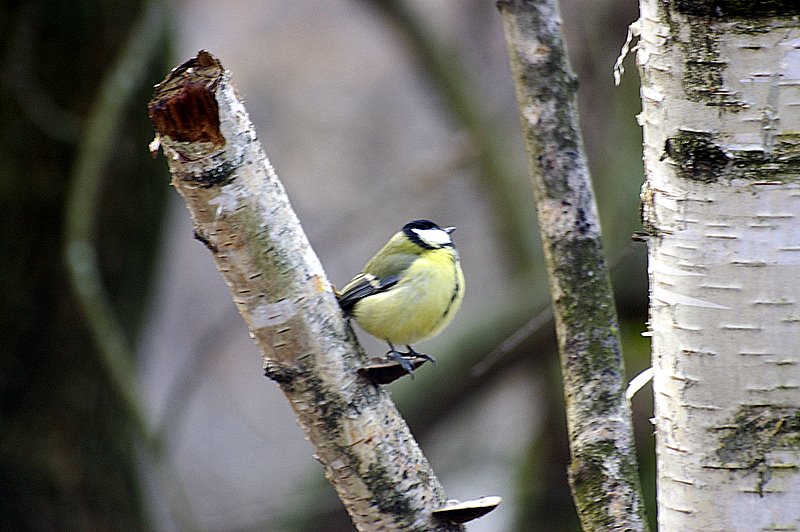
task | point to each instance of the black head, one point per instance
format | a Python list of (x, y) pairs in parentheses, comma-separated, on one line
[(428, 235)]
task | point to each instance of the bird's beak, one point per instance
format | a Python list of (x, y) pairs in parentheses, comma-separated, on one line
[(449, 230)]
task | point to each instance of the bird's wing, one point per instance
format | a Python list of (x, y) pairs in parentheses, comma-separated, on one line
[(364, 285)]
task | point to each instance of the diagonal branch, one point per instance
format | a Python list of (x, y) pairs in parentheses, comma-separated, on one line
[(603, 472), (241, 213)]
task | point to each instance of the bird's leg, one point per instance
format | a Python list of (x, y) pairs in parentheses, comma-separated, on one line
[(401, 359), (412, 353)]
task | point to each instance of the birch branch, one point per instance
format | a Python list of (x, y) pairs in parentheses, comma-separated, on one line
[(241, 213), (603, 473)]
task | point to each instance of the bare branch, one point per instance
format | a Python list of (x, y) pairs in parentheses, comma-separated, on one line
[(603, 473), (242, 215)]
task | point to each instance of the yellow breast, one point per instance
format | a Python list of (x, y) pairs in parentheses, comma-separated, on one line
[(419, 306)]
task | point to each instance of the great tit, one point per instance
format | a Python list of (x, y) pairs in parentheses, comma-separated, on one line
[(409, 291)]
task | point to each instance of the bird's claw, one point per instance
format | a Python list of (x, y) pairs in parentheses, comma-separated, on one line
[(402, 359), (412, 353)]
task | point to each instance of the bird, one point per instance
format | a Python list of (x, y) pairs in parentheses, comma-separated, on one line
[(409, 291)]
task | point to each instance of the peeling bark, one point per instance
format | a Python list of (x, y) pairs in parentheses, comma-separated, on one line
[(721, 114), (242, 215)]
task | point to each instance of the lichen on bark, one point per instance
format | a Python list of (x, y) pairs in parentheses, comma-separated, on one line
[(720, 118), (603, 472)]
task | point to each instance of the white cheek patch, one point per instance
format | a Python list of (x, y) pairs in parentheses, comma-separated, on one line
[(433, 236)]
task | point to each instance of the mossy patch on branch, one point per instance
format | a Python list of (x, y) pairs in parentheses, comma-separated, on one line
[(589, 481), (380, 481), (588, 315), (756, 430), (753, 433), (704, 68), (700, 157), (697, 155)]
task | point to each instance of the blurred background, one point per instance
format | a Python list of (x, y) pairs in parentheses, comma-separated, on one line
[(131, 397)]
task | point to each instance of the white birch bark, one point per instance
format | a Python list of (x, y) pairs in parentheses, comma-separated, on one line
[(241, 213), (721, 114)]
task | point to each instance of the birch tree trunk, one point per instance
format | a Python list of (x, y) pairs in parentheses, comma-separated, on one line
[(721, 114)]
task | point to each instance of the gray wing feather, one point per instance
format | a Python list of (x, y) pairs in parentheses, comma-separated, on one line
[(365, 286)]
